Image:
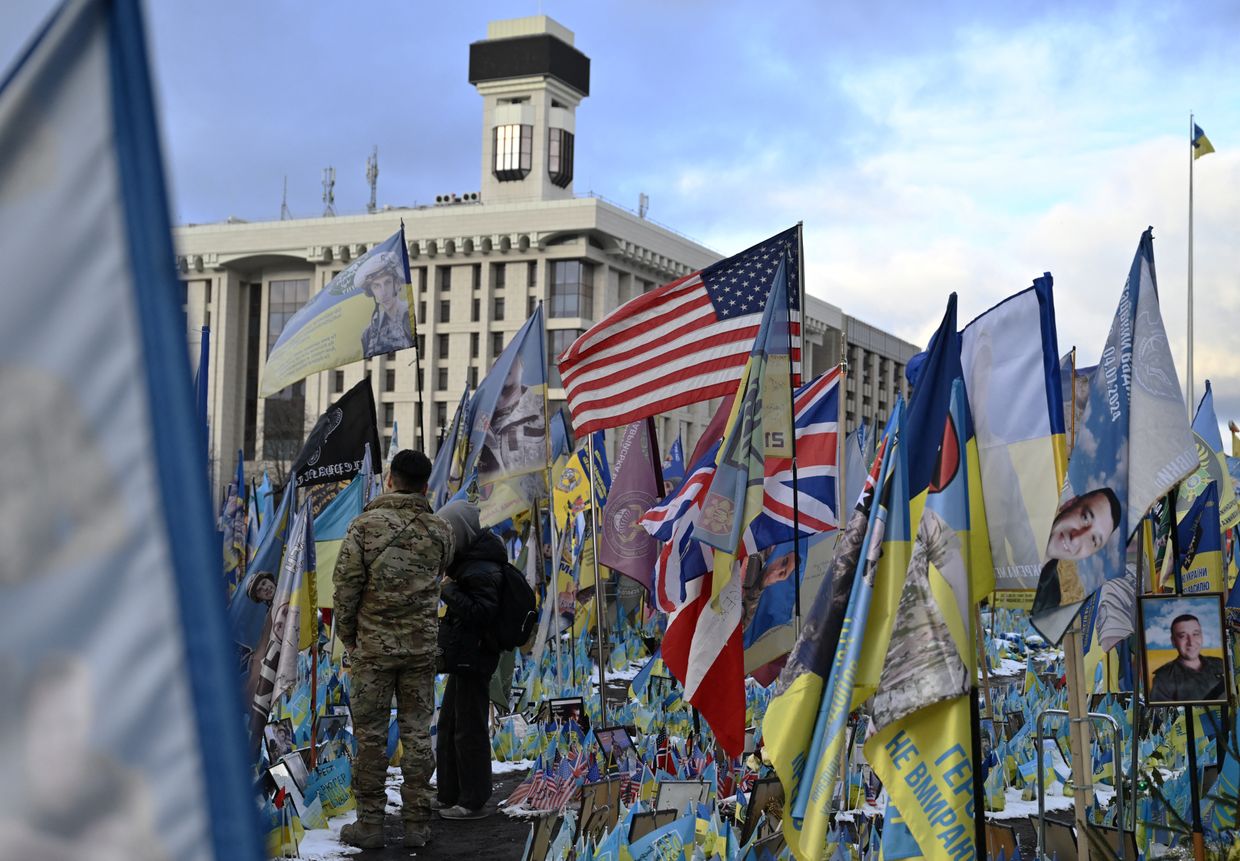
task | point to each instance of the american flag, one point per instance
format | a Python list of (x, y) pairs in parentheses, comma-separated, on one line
[(542, 790), (571, 775), (680, 344)]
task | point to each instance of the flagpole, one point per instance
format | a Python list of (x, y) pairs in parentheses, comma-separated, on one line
[(598, 587), (1189, 386), (552, 584), (420, 442), (791, 397)]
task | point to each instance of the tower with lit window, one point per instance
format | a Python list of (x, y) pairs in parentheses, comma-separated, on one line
[(531, 80)]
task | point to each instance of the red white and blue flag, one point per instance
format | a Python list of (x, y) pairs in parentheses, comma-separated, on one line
[(817, 451), (682, 559), (679, 344)]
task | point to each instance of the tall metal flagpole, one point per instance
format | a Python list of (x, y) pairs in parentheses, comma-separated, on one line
[(792, 412), (552, 593), (1189, 387), (598, 586), (420, 438)]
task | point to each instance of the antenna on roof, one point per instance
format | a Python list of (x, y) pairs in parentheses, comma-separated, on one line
[(643, 204), (285, 215), (329, 191), (372, 176)]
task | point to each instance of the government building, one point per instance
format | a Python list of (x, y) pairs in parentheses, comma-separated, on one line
[(480, 263)]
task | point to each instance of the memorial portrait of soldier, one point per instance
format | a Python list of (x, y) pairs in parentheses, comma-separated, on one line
[(382, 279), (1183, 648)]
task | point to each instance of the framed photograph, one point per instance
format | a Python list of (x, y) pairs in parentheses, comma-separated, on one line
[(615, 743), (542, 832), (643, 823), (565, 709), (675, 794), (279, 738), (767, 797), (295, 762), (1183, 654), (514, 698), (283, 779), (332, 725)]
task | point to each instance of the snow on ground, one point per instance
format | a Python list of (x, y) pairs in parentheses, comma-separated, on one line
[(515, 765), (1007, 668), (626, 674), (1016, 808), (324, 844)]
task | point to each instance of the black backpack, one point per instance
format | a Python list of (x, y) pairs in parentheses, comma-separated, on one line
[(518, 609)]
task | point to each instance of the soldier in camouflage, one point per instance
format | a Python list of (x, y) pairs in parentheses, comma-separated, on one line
[(387, 595)]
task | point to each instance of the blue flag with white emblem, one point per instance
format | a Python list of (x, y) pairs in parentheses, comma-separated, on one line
[(110, 575)]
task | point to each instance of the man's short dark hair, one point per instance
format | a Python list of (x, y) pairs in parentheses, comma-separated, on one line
[(1112, 499), (410, 470), (1184, 617)]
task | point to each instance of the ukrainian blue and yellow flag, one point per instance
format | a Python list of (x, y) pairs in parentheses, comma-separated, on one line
[(1201, 144), (448, 469), (330, 526), (804, 726), (365, 311), (1009, 357), (922, 749), (248, 606), (759, 426), (1201, 544)]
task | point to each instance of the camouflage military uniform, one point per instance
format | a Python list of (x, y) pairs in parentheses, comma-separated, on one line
[(387, 595)]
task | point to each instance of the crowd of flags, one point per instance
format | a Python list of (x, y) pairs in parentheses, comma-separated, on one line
[(948, 506), (954, 498)]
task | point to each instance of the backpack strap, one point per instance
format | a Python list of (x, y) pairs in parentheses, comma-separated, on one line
[(366, 565)]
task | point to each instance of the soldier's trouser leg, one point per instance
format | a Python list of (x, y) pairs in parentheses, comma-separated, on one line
[(371, 700), (415, 706)]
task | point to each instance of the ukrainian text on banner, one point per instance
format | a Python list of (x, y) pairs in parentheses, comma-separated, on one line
[(362, 312), (922, 700), (928, 774), (1011, 372), (111, 579), (804, 724), (1133, 444)]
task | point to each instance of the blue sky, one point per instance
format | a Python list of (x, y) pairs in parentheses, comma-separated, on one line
[(926, 147), (1160, 612)]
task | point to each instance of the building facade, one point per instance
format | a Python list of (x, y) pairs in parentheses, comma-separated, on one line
[(480, 264)]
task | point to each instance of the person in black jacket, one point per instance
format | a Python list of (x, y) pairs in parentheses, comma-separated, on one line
[(468, 654)]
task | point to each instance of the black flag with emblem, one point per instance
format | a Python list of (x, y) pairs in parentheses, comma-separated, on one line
[(337, 444)]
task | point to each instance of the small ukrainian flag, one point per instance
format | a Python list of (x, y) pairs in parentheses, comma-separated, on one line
[(1201, 143)]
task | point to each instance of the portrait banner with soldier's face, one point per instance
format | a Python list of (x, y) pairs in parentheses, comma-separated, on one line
[(362, 312), (1133, 444)]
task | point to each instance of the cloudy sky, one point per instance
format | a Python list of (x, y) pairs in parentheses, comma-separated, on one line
[(964, 147)]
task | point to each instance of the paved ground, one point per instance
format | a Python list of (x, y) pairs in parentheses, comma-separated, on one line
[(496, 838)]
